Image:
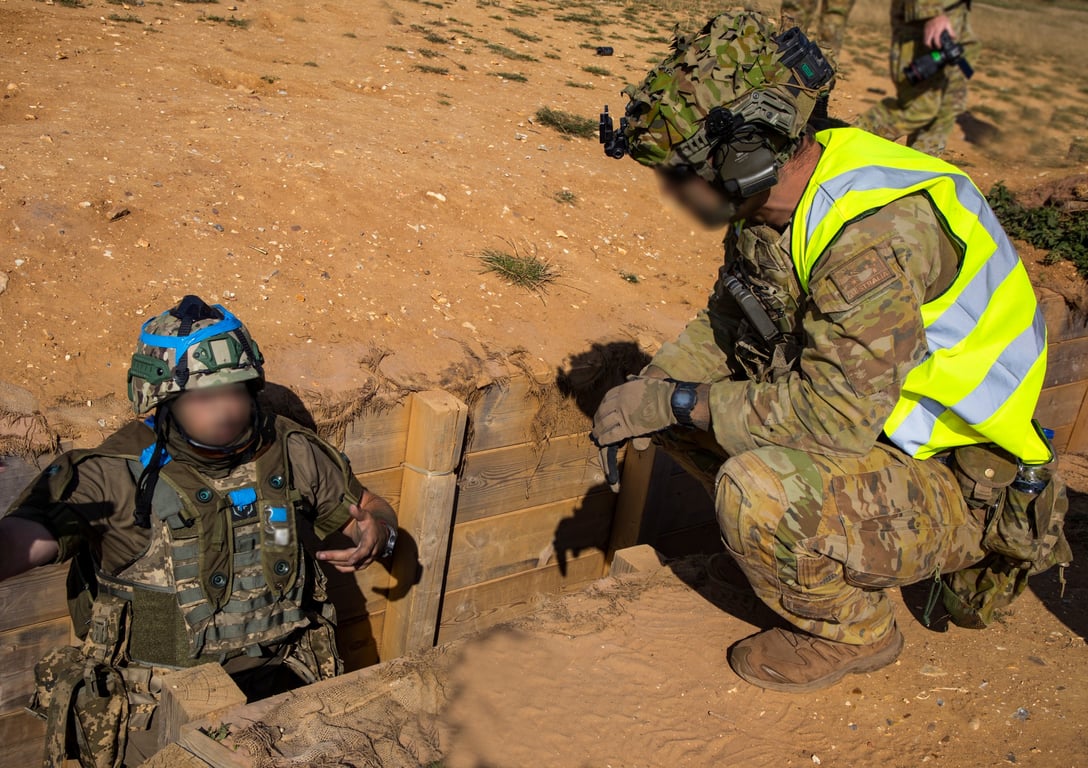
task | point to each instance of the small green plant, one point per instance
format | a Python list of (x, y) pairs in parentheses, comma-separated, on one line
[(629, 277), (567, 123), (528, 272), (309, 63), (231, 22), (522, 10), (130, 19), (217, 734), (427, 53), (582, 18), (521, 34), (509, 53), (397, 48), (599, 71), (429, 36), (270, 79), (1063, 233), (352, 35), (572, 84), (430, 70), (70, 3), (566, 197), (517, 77)]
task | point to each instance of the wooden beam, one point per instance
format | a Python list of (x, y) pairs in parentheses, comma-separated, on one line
[(644, 475), (436, 436), (175, 756), (1067, 362), (22, 739), (194, 694), (638, 559)]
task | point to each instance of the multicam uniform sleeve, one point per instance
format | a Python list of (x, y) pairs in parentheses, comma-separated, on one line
[(698, 353), (863, 332)]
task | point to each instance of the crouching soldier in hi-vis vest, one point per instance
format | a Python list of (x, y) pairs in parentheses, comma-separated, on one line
[(185, 532), (858, 393)]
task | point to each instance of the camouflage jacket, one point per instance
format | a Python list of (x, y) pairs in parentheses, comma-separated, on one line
[(856, 340)]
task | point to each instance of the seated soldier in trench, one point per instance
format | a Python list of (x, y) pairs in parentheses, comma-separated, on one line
[(185, 535)]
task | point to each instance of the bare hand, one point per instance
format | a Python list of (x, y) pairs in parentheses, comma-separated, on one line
[(369, 535), (934, 28)]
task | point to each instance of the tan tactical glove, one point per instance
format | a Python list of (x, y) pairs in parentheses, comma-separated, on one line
[(636, 408)]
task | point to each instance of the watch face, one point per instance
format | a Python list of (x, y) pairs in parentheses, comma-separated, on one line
[(683, 399)]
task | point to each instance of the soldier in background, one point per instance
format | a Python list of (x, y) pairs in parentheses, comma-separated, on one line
[(857, 395), (185, 532), (824, 20), (925, 112)]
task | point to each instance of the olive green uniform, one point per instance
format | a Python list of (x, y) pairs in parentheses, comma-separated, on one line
[(819, 512), (925, 113)]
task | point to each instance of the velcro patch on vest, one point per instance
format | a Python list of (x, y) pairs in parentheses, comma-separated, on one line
[(863, 274)]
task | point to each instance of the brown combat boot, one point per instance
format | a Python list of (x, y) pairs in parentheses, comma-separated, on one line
[(796, 662)]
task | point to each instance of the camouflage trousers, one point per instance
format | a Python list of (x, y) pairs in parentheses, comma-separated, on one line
[(821, 538), (824, 20), (925, 113)]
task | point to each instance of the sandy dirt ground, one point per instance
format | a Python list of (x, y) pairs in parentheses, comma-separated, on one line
[(631, 672), (331, 171)]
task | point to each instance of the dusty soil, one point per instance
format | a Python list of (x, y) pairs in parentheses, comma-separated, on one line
[(332, 171), (632, 672), (312, 166)]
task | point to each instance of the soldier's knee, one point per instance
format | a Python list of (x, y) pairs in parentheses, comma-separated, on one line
[(750, 501)]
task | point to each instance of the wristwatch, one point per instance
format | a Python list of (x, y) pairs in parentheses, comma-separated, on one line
[(683, 401), (391, 542)]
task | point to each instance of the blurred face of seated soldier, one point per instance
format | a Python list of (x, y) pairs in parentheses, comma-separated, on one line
[(216, 416)]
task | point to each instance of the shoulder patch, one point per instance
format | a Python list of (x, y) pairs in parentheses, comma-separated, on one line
[(865, 272)]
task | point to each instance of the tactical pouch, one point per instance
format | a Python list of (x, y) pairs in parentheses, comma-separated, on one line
[(1023, 535)]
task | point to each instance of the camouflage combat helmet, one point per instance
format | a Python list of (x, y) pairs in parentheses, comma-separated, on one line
[(191, 346), (733, 83)]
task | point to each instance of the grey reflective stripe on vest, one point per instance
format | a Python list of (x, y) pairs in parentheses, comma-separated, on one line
[(959, 319)]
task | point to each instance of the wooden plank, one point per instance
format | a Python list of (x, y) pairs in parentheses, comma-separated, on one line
[(483, 605), (1067, 362), (22, 739), (359, 640), (376, 440), (194, 694), (436, 437), (1059, 406), (507, 479), (644, 475), (37, 595), (211, 751), (385, 482), (497, 546), (21, 649), (1078, 435), (638, 559), (503, 415)]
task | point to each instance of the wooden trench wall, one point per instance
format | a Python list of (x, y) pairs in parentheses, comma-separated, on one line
[(492, 518)]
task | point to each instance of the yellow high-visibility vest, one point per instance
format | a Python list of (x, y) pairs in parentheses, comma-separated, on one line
[(981, 378)]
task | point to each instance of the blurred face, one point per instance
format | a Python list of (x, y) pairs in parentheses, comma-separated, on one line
[(217, 416), (712, 207)]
